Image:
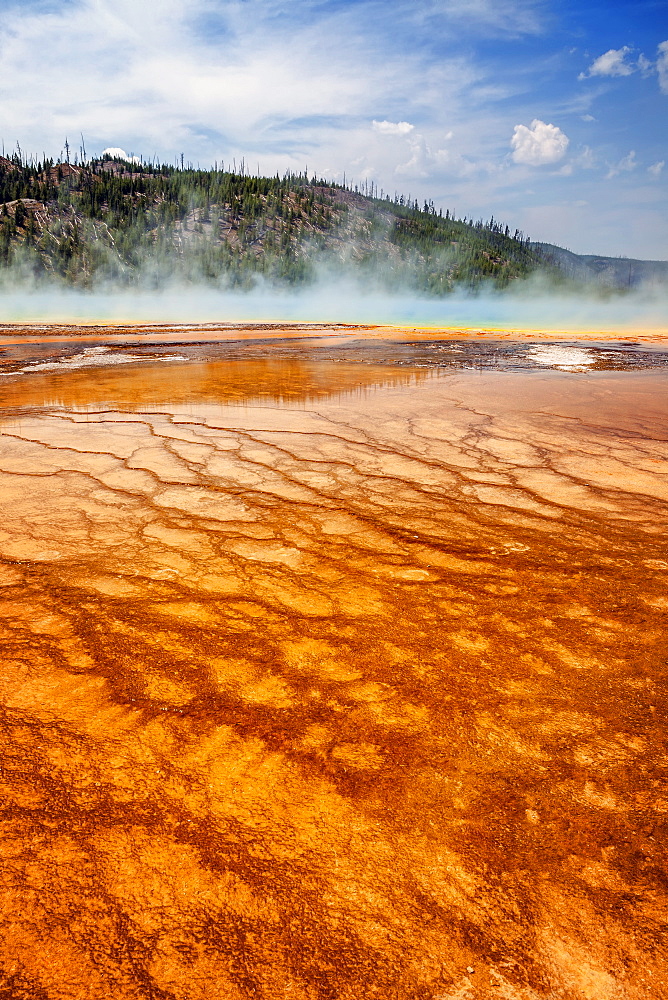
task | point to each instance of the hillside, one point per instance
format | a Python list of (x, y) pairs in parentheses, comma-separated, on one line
[(611, 272), (121, 223)]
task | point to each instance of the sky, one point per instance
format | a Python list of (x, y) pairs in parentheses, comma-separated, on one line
[(552, 117)]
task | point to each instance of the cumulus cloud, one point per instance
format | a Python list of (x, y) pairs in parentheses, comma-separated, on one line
[(656, 168), (616, 62), (392, 128), (538, 143), (611, 63)]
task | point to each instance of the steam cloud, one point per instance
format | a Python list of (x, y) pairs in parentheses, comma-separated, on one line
[(530, 304), (116, 153)]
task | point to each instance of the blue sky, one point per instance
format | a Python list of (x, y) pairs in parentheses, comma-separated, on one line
[(552, 117)]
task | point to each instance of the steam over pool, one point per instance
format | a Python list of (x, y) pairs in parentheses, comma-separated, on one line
[(530, 304)]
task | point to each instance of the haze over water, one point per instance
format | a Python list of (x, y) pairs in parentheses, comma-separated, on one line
[(534, 304), (332, 675)]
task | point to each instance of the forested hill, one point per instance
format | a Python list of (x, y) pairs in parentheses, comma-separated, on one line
[(610, 272), (123, 223)]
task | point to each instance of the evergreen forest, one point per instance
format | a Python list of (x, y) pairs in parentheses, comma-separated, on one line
[(123, 223)]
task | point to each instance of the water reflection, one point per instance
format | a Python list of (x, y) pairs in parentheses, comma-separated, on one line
[(151, 385)]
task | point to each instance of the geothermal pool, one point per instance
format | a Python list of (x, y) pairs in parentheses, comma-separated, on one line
[(332, 667)]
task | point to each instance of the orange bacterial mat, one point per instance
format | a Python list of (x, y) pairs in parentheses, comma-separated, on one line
[(333, 681)]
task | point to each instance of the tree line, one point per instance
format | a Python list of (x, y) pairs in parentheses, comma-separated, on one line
[(123, 222)]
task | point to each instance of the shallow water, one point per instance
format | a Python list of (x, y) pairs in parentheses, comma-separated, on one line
[(323, 679)]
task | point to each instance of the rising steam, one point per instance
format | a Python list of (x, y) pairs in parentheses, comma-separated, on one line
[(333, 297)]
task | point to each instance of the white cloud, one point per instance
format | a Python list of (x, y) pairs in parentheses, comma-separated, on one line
[(538, 144), (423, 159), (392, 128), (587, 118), (628, 162), (656, 168), (585, 159), (662, 66), (611, 63), (645, 65), (625, 165), (614, 62), (221, 78), (493, 17), (160, 79)]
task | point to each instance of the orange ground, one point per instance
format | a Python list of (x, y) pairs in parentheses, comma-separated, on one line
[(166, 333), (333, 681)]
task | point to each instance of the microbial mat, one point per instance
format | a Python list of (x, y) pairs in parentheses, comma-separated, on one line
[(332, 669)]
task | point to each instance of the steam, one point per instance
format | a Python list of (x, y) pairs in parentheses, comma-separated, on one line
[(336, 298), (116, 153), (346, 287)]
